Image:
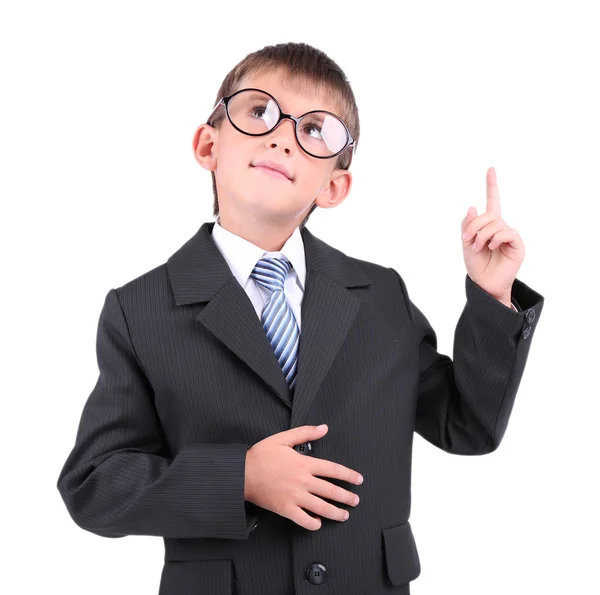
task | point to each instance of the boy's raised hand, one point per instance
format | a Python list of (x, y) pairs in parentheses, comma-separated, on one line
[(284, 481), (492, 266)]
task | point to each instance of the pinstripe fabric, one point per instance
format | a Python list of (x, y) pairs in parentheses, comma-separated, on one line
[(188, 382), (277, 316)]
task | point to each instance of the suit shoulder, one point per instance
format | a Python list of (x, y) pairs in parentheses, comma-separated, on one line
[(378, 272), (141, 289)]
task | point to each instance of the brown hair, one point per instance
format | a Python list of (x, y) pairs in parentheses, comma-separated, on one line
[(306, 68)]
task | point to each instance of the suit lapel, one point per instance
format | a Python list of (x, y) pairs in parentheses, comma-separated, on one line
[(199, 273)]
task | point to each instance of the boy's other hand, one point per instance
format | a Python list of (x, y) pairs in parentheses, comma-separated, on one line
[(283, 481)]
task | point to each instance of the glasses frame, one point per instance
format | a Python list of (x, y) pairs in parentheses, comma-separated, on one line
[(282, 116)]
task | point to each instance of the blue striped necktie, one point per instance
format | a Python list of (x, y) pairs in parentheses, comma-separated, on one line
[(277, 318)]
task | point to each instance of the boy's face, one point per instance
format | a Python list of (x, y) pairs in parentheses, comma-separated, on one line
[(247, 193)]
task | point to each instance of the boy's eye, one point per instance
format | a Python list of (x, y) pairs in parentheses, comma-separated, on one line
[(259, 108), (312, 126)]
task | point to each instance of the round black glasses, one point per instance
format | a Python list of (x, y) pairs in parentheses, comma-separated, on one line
[(319, 133)]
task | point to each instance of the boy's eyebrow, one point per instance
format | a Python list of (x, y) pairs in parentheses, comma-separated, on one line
[(257, 95)]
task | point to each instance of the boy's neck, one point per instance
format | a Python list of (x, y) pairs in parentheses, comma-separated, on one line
[(264, 236)]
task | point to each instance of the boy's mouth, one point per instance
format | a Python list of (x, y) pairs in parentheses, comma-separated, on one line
[(272, 168), (271, 172)]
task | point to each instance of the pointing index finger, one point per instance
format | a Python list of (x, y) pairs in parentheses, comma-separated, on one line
[(493, 194)]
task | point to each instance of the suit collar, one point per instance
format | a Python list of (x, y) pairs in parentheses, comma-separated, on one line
[(332, 297), (242, 255), (198, 270)]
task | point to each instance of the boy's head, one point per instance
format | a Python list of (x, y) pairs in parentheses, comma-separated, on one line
[(301, 79)]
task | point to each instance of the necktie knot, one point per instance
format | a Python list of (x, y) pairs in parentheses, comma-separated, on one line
[(271, 272)]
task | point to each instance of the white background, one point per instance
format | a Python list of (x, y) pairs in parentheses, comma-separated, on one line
[(99, 185)]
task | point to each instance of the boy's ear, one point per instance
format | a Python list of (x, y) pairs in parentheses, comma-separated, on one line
[(203, 143), (336, 190)]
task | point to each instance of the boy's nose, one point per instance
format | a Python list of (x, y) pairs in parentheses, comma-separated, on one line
[(284, 133)]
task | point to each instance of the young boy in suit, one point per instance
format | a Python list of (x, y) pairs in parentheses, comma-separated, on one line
[(218, 367)]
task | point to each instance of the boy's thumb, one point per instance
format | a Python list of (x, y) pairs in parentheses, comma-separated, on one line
[(305, 433)]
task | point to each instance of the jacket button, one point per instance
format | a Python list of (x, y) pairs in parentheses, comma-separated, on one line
[(316, 574), (304, 449), (530, 315), (526, 332)]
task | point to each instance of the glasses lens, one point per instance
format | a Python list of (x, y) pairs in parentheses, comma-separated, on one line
[(319, 133), (322, 134), (253, 112)]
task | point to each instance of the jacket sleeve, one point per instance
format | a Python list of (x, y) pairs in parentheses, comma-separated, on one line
[(464, 403), (120, 478)]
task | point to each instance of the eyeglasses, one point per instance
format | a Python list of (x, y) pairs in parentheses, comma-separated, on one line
[(319, 133)]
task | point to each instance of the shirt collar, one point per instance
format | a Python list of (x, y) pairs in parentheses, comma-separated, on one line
[(242, 255)]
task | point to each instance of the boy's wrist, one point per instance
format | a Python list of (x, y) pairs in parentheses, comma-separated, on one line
[(507, 301)]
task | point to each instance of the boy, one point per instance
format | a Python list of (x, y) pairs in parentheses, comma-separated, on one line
[(217, 366)]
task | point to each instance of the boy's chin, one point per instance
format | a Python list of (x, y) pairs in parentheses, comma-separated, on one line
[(268, 198), (269, 204)]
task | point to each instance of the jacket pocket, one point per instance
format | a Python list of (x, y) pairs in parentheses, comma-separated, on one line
[(197, 577), (400, 553)]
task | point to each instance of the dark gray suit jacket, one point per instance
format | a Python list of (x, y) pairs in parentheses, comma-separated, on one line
[(188, 383)]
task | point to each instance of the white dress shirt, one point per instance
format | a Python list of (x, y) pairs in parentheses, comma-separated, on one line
[(242, 256)]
